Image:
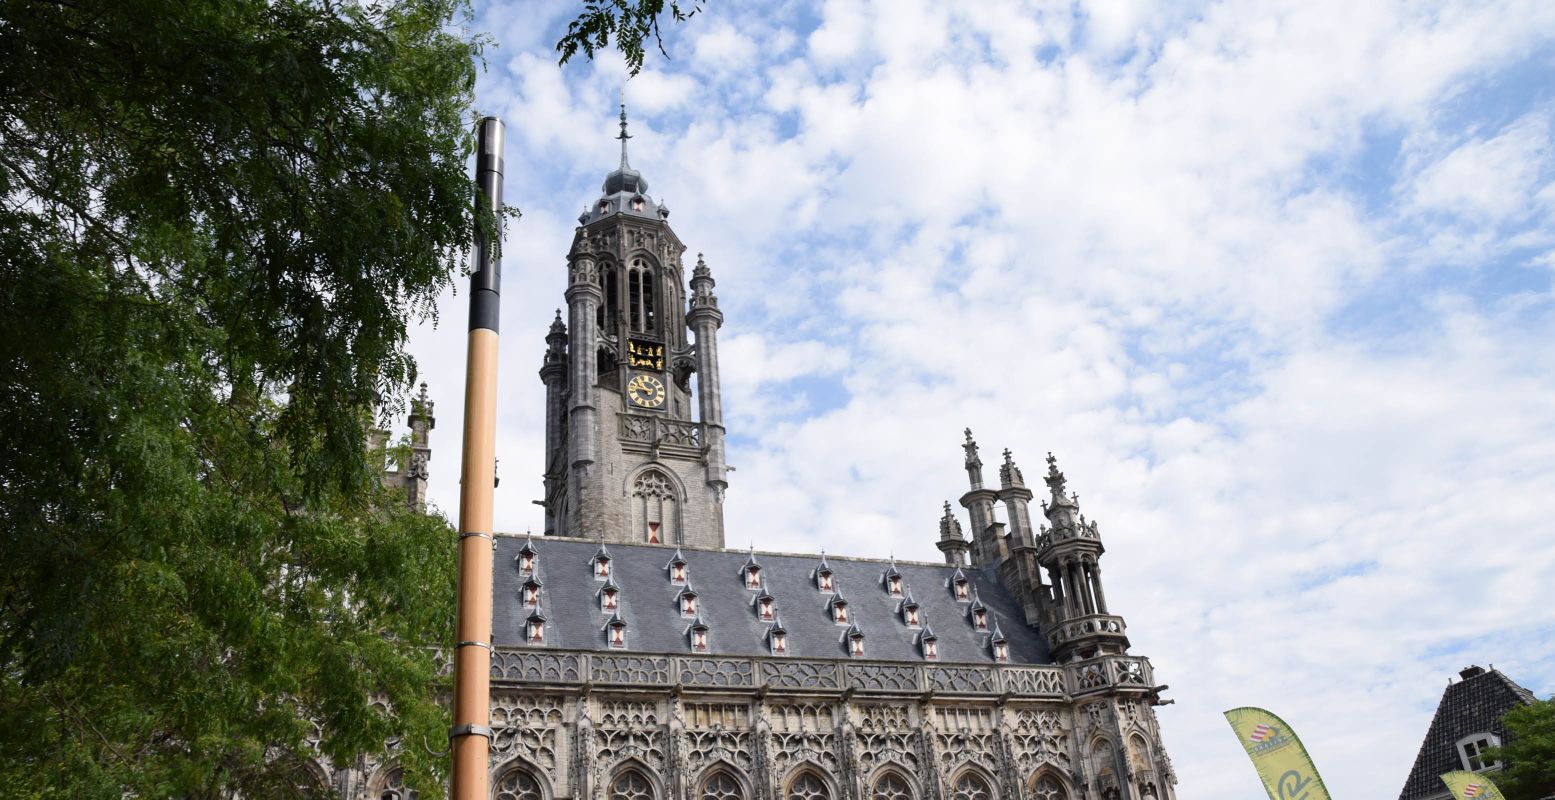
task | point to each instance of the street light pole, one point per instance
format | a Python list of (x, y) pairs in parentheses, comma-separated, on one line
[(471, 732)]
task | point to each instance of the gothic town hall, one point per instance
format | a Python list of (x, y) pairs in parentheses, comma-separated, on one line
[(635, 658)]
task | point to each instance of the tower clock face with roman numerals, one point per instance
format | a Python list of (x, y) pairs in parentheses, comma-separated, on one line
[(645, 391)]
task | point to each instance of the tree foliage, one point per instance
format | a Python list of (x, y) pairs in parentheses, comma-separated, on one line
[(216, 219), (1528, 756), (631, 22)]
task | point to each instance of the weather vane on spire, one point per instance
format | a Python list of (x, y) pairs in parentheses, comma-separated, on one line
[(623, 136)]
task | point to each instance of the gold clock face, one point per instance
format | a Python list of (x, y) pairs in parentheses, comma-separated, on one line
[(645, 391)]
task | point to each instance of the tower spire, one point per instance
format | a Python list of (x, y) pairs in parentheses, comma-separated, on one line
[(623, 135)]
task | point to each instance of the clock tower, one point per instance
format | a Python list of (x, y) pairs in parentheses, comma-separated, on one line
[(634, 419)]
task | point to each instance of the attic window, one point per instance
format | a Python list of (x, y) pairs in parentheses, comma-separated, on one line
[(764, 609), (637, 204), (526, 563), (911, 613), (688, 603), (930, 649), (1472, 751), (856, 645), (823, 580), (608, 600), (604, 205), (753, 577), (536, 630), (963, 592), (980, 619), (618, 634), (1001, 651), (839, 612), (531, 594), (678, 573), (699, 639), (601, 567), (894, 585), (779, 643)]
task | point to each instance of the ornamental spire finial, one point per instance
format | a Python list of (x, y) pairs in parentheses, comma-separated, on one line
[(623, 136)]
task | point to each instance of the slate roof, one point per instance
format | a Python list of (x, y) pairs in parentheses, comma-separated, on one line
[(1474, 704), (648, 605)]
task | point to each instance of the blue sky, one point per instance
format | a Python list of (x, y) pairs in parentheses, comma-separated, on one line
[(1272, 280)]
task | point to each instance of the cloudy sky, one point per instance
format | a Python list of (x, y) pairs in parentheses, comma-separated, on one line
[(1272, 280)]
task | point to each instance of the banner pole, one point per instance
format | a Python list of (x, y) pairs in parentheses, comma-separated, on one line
[(471, 732)]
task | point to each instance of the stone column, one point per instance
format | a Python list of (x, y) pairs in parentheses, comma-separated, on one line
[(583, 299)]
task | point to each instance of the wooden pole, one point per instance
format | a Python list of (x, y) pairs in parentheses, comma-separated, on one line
[(471, 732)]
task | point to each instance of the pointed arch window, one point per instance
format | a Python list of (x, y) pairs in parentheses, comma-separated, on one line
[(807, 786), (655, 508), (640, 297), (394, 787), (517, 784), (722, 786), (971, 786), (631, 785), (605, 319), (1047, 787), (891, 786)]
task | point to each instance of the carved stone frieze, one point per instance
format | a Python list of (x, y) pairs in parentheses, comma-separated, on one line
[(715, 672), (630, 669)]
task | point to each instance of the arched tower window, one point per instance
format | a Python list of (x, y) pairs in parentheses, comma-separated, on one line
[(608, 310), (1047, 787), (640, 297), (971, 786), (517, 784), (722, 786), (631, 785), (891, 786), (655, 508), (807, 786)]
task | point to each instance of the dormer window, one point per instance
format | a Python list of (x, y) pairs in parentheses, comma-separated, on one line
[(839, 612), (698, 632), (527, 560), (824, 581), (615, 631), (1471, 751), (979, 616), (609, 599), (894, 585), (855, 642), (531, 593), (534, 629), (962, 588), (604, 206), (765, 610), (637, 203), (677, 569), (601, 564), (910, 614), (777, 639), (688, 602), (1001, 651), (928, 643)]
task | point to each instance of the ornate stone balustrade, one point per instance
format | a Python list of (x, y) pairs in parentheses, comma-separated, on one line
[(648, 670), (1091, 625), (1082, 530), (651, 430), (1124, 672)]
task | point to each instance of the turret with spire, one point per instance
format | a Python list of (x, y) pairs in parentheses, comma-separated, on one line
[(951, 542), (987, 533), (1070, 549)]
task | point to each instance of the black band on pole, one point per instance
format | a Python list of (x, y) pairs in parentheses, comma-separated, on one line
[(486, 280)]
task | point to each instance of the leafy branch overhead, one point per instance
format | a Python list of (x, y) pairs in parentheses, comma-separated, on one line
[(630, 22)]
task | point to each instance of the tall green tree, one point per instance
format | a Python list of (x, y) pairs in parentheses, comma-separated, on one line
[(218, 217), (1528, 757), (217, 220)]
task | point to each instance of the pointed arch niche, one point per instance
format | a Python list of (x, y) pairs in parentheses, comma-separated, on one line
[(973, 784), (655, 498), (1045, 785), (632, 783), (808, 783), (891, 783)]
